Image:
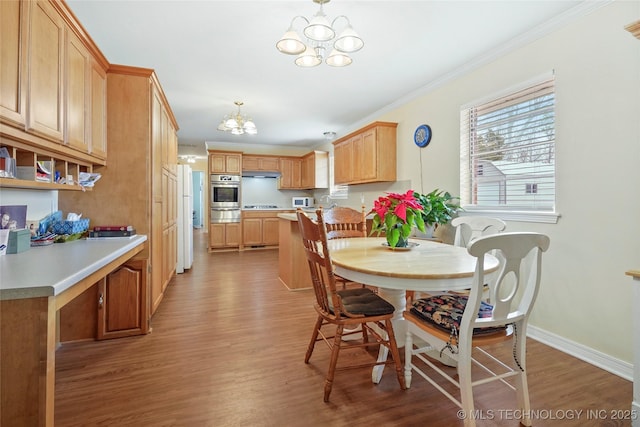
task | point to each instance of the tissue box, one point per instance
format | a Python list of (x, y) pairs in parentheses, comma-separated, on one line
[(19, 241), (71, 227)]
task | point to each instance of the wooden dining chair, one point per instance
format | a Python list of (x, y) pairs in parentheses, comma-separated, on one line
[(340, 310), (342, 223), (460, 325)]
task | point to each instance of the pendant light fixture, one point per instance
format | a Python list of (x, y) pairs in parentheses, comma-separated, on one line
[(238, 124), (320, 35)]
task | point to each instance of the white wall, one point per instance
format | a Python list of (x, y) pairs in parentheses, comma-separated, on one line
[(264, 191), (39, 203), (585, 299)]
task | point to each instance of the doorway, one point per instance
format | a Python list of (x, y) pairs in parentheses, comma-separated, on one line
[(198, 183)]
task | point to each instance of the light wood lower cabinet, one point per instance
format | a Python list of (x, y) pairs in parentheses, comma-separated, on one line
[(116, 306), (224, 236), (123, 306), (260, 228)]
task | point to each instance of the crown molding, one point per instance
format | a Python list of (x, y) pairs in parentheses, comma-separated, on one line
[(565, 18)]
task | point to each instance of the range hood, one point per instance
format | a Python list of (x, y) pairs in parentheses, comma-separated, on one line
[(260, 174)]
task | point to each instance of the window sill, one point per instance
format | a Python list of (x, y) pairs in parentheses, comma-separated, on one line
[(506, 215)]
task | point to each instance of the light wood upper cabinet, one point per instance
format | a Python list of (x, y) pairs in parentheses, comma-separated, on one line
[(225, 162), (77, 96), (367, 155), (290, 173), (315, 170), (304, 173), (98, 111), (14, 32), (52, 90), (260, 163), (343, 160), (46, 86)]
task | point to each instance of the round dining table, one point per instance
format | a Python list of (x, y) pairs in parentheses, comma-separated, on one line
[(426, 266)]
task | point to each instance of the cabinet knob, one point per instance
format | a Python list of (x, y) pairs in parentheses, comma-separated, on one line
[(100, 301)]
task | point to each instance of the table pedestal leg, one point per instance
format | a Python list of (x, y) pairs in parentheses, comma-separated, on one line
[(397, 297)]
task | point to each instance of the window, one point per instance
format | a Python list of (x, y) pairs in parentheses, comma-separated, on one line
[(507, 144), (531, 188)]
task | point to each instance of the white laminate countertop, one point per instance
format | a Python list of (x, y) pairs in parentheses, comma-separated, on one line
[(289, 216), (269, 209), (50, 270)]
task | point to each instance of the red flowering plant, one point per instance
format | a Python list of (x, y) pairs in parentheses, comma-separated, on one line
[(396, 214)]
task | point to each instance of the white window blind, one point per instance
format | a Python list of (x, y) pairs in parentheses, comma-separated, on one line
[(507, 151)]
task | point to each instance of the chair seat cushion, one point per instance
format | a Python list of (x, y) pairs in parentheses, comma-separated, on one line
[(364, 301), (445, 312)]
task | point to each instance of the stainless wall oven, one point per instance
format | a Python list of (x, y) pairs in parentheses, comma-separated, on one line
[(225, 198)]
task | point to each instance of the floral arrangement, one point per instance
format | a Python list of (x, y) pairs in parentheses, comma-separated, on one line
[(396, 215)]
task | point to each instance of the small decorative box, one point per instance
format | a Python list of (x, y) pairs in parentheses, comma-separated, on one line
[(19, 241), (71, 227)]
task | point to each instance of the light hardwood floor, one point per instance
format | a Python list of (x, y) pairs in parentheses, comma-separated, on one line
[(227, 349)]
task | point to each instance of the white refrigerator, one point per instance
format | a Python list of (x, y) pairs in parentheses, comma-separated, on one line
[(185, 219)]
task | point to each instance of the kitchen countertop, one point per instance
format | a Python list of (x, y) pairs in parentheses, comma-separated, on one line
[(289, 216), (268, 209), (50, 270)]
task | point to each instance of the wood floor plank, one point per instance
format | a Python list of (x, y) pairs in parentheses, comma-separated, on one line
[(227, 349)]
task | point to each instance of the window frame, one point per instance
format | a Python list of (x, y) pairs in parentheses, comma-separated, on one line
[(519, 213)]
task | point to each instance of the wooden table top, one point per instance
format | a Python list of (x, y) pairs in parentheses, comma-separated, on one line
[(427, 261)]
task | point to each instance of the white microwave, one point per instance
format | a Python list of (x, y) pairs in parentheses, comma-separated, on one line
[(302, 202)]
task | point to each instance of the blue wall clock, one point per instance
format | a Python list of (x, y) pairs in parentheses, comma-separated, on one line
[(422, 137)]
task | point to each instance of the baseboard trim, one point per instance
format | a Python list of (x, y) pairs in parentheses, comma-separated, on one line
[(601, 360)]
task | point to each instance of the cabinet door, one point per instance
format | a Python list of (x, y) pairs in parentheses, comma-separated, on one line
[(14, 31), (271, 164), (270, 231), (225, 163), (46, 84), (77, 62), (367, 154), (217, 163), (122, 301), (252, 231), (307, 172), (98, 111), (296, 173), (251, 163), (166, 211), (286, 174), (164, 125), (343, 161), (216, 235), (233, 236), (233, 164)]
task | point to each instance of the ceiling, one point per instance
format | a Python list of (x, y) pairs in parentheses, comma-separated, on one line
[(208, 54)]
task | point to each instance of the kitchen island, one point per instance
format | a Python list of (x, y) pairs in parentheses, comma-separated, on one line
[(293, 269), (34, 285)]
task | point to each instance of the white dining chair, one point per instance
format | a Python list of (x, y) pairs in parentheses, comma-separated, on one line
[(462, 327), (469, 228)]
